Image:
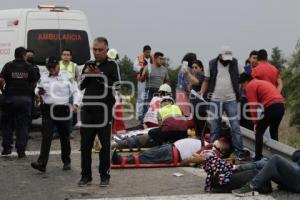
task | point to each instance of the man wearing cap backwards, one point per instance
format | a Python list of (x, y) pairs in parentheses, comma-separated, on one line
[(99, 78), (55, 88), (17, 80), (222, 87)]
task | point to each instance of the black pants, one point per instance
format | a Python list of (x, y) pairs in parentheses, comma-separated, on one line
[(161, 137), (90, 117), (245, 120), (16, 116), (48, 124), (272, 117), (199, 115), (156, 155)]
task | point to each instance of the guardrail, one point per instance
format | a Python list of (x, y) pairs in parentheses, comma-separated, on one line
[(270, 146)]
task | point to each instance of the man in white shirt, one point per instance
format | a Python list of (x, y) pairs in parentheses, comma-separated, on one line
[(55, 88), (140, 63), (221, 84)]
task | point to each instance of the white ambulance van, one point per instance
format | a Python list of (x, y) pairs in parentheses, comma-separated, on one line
[(46, 30)]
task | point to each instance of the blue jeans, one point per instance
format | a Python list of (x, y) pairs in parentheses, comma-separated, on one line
[(281, 171), (231, 110), (258, 165)]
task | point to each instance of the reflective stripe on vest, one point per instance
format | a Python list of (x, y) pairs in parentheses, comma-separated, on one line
[(169, 111), (70, 68)]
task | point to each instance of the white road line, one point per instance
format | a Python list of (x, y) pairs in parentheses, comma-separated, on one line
[(205, 196), (35, 153)]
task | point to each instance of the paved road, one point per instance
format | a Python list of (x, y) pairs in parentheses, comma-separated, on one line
[(19, 181)]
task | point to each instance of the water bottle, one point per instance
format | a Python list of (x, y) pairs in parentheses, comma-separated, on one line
[(183, 67)]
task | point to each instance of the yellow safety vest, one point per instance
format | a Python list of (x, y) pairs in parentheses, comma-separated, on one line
[(70, 68), (169, 111)]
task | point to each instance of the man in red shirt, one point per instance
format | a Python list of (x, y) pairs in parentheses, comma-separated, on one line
[(263, 94), (266, 71)]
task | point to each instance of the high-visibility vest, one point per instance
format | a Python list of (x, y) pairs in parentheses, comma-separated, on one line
[(141, 59), (70, 68), (169, 111)]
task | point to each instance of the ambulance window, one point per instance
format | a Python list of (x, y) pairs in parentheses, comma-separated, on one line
[(47, 43)]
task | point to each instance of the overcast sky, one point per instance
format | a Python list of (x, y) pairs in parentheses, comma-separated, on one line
[(179, 26)]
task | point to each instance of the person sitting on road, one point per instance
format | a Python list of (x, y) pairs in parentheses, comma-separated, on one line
[(189, 150), (279, 170)]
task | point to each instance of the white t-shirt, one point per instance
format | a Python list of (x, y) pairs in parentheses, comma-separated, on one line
[(187, 147), (223, 90)]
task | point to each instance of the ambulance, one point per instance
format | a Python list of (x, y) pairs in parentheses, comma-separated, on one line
[(46, 30)]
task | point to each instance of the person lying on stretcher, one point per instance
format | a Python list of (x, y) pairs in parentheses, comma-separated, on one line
[(184, 151)]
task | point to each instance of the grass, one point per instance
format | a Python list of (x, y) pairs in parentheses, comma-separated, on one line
[(287, 134)]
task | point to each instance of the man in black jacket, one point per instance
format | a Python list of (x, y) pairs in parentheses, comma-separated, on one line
[(17, 80), (98, 80)]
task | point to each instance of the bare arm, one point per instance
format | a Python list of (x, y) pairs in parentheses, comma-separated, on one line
[(279, 84), (145, 74), (193, 159), (204, 86)]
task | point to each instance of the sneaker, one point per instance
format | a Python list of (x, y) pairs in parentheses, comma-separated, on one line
[(6, 153), (67, 166), (246, 190), (84, 181), (104, 182), (38, 166), (21, 154)]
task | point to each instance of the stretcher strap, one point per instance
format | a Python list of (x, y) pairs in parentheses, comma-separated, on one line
[(124, 161), (137, 160), (175, 156)]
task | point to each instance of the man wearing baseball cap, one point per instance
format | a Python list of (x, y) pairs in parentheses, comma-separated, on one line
[(221, 84)]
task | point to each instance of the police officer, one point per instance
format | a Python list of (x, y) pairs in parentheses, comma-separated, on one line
[(55, 88), (17, 81), (98, 78)]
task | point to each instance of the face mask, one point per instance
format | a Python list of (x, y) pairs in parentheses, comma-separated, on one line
[(30, 60), (225, 62)]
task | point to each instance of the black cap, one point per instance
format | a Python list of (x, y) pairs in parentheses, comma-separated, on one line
[(52, 61)]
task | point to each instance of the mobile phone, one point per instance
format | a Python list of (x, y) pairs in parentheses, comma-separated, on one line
[(90, 63)]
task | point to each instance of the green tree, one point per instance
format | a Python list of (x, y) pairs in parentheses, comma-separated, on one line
[(291, 90), (277, 58), (127, 74)]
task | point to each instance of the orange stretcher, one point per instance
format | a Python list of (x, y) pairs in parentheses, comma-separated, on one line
[(138, 164)]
